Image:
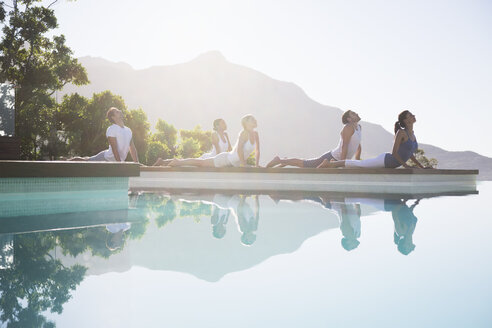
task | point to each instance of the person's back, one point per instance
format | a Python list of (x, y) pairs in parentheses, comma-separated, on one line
[(123, 136)]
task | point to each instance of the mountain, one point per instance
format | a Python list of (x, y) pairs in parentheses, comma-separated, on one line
[(209, 87)]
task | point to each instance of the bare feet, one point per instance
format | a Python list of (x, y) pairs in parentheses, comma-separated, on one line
[(326, 163), (274, 162)]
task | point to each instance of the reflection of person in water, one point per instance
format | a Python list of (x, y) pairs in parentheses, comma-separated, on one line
[(349, 216), (219, 219), (405, 222), (116, 236), (248, 220)]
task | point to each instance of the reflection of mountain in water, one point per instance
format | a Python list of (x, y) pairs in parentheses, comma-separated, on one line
[(186, 244)]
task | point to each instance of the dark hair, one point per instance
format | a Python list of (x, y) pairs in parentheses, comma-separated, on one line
[(216, 123), (345, 116), (401, 117), (110, 113)]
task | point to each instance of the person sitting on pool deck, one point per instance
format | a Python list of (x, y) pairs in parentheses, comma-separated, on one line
[(119, 138), (247, 142), (348, 146)]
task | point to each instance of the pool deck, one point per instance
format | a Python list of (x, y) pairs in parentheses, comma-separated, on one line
[(142, 178), (386, 181)]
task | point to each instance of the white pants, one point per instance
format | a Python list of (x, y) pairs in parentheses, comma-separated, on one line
[(368, 163)]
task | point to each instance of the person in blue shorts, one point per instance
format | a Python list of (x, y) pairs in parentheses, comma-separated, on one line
[(348, 146)]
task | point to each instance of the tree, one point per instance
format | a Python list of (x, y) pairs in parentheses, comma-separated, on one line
[(155, 150), (167, 134), (136, 120), (189, 148), (36, 282), (204, 138), (39, 65)]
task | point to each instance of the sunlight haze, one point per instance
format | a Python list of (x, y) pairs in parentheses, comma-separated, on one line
[(376, 57)]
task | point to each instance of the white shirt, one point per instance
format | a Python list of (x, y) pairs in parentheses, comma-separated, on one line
[(352, 146), (123, 137)]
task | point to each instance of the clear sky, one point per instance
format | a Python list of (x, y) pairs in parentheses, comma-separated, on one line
[(377, 57)]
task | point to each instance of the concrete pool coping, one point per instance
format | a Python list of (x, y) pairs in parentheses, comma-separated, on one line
[(305, 179), (32, 169), (250, 178)]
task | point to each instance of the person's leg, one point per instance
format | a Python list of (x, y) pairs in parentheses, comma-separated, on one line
[(98, 158), (78, 159), (162, 162), (327, 164), (277, 161), (314, 162), (376, 162), (208, 162)]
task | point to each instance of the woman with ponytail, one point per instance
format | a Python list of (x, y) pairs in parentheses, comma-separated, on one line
[(220, 139), (220, 143), (404, 148)]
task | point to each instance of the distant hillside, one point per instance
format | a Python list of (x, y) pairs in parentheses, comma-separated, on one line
[(208, 87)]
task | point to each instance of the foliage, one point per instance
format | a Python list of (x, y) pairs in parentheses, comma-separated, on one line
[(167, 134), (251, 160), (424, 160), (166, 213), (189, 148), (136, 120), (155, 150), (38, 65), (36, 282), (204, 138)]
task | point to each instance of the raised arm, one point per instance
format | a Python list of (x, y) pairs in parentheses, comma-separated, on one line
[(400, 136), (257, 150), (346, 134), (114, 148), (133, 152)]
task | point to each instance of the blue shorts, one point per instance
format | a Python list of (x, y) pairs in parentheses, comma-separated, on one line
[(315, 162), (98, 158)]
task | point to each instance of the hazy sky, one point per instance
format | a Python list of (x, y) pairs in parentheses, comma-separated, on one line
[(376, 57)]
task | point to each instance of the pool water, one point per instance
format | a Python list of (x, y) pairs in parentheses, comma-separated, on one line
[(242, 260)]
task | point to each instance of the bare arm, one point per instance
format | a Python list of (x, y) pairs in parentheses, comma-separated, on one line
[(358, 152), (257, 138), (215, 142), (396, 145), (114, 146), (228, 142), (133, 152), (414, 159), (346, 133), (240, 147)]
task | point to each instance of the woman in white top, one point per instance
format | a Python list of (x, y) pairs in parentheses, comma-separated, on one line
[(247, 142), (220, 139), (220, 143)]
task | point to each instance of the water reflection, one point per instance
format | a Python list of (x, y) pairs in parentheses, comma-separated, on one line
[(44, 258)]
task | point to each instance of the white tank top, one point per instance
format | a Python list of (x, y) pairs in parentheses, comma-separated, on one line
[(223, 146), (248, 148), (352, 146)]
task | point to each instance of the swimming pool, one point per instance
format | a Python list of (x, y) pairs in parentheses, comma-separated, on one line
[(245, 260)]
